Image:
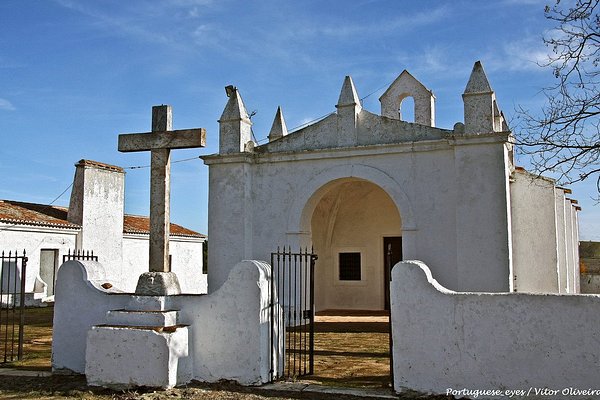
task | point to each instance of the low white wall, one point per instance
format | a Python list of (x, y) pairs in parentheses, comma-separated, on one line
[(229, 329), (80, 303), (502, 341), (33, 239)]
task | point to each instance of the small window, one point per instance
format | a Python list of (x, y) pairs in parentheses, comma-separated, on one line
[(350, 267), (205, 257)]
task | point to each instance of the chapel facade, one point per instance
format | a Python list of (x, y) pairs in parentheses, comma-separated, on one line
[(359, 187)]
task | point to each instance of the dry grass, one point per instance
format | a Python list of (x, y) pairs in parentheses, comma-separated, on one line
[(350, 350), (37, 340)]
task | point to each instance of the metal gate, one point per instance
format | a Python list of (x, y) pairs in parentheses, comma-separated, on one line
[(293, 313), (12, 304)]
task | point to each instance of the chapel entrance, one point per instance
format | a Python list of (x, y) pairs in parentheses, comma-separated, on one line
[(352, 222)]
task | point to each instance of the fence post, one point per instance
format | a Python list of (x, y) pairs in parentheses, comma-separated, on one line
[(22, 305), (311, 337)]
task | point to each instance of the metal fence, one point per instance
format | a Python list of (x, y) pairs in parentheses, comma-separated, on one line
[(292, 312), (12, 304), (79, 255)]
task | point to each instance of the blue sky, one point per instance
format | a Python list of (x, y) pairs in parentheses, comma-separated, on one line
[(75, 73)]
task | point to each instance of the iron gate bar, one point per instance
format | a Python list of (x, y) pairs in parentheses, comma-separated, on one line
[(389, 268), (22, 304), (292, 296), (287, 259), (313, 258), (10, 298), (14, 304), (302, 361), (272, 305), (295, 304)]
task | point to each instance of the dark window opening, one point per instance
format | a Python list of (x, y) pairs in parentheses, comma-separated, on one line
[(205, 257), (350, 267)]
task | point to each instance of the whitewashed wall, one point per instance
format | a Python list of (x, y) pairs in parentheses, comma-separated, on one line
[(452, 201), (229, 329), (33, 239), (186, 259), (559, 198), (443, 339), (534, 234), (80, 302), (187, 256), (97, 205)]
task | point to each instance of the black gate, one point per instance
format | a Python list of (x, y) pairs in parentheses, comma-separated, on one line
[(293, 313), (12, 304)]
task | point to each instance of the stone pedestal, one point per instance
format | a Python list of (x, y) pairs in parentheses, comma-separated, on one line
[(143, 345), (158, 284)]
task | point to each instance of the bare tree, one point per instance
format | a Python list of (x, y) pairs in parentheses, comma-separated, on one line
[(565, 137)]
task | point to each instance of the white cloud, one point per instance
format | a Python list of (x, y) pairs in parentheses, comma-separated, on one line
[(540, 3), (124, 22), (6, 105), (393, 25), (525, 54)]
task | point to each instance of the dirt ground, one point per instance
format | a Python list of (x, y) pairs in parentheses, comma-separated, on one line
[(351, 349), (37, 340), (60, 387)]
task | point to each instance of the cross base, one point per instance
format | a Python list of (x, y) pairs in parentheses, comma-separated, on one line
[(157, 284)]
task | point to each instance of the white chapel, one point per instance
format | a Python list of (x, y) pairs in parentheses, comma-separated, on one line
[(359, 186)]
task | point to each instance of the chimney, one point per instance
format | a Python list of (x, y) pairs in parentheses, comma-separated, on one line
[(97, 204)]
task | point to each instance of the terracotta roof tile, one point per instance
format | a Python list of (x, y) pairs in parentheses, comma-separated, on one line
[(34, 214), (140, 224), (21, 213), (100, 165)]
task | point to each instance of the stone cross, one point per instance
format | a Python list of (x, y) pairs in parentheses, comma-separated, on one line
[(160, 142)]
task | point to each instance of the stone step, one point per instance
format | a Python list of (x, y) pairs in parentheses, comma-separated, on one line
[(149, 303), (155, 328), (142, 318)]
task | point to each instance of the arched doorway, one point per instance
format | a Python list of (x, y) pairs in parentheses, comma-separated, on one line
[(353, 224), (314, 200), (350, 227)]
